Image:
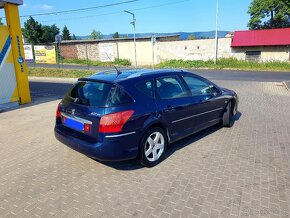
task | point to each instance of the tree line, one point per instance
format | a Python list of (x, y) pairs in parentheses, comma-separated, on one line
[(34, 32)]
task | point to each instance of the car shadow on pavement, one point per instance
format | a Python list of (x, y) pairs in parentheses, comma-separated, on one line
[(134, 164), (43, 92)]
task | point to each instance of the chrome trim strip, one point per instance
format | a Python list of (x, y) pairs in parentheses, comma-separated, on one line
[(115, 136), (196, 115), (78, 119)]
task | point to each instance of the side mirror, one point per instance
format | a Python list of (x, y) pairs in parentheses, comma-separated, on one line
[(215, 91)]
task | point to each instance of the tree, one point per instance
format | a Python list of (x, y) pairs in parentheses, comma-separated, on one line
[(269, 14), (74, 37), (49, 33), (116, 35), (96, 35), (32, 31), (66, 33), (191, 37)]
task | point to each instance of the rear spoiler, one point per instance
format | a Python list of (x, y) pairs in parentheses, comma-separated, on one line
[(94, 80)]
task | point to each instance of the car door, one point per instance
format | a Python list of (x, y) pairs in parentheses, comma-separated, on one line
[(211, 103), (173, 103)]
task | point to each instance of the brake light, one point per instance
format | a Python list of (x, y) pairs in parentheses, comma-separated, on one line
[(114, 122), (58, 111)]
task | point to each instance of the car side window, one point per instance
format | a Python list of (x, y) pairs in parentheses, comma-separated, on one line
[(197, 86), (170, 87), (145, 87)]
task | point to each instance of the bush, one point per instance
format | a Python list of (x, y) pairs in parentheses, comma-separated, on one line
[(121, 62), (227, 63)]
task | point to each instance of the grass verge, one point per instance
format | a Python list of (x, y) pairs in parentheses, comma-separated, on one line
[(60, 73), (229, 63), (118, 62)]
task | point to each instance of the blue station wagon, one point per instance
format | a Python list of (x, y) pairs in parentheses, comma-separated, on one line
[(114, 116)]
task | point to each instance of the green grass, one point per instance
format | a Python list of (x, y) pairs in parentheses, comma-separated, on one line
[(229, 63), (61, 73), (118, 62)]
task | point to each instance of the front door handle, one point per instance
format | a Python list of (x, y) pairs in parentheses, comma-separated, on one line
[(205, 100)]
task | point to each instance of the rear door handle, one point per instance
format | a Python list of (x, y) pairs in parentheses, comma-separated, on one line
[(169, 108)]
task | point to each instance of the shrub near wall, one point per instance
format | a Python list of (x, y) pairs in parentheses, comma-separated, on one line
[(227, 63), (119, 62)]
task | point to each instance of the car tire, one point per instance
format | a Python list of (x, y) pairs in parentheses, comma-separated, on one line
[(152, 147), (228, 115)]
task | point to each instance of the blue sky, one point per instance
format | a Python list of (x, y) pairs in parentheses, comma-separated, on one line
[(152, 15)]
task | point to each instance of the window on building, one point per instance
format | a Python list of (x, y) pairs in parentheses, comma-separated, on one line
[(253, 56)]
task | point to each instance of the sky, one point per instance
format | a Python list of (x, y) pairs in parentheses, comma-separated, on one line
[(152, 16)]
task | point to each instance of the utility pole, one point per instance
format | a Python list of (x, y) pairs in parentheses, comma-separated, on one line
[(134, 26), (216, 32), (153, 40)]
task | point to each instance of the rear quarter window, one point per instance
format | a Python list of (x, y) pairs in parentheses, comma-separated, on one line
[(145, 87), (118, 96)]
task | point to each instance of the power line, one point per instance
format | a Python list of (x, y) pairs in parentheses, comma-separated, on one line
[(117, 12), (80, 9)]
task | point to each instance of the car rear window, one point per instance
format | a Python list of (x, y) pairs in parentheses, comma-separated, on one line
[(97, 94)]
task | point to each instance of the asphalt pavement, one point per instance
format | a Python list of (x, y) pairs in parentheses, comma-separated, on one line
[(234, 75)]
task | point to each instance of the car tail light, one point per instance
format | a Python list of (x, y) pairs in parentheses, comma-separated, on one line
[(87, 127), (58, 111), (114, 122)]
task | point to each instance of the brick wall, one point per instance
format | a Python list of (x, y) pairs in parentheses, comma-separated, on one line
[(69, 51)]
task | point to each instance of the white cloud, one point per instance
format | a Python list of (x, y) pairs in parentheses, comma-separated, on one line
[(46, 7)]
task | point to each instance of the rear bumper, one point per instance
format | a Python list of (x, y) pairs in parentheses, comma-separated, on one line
[(110, 149)]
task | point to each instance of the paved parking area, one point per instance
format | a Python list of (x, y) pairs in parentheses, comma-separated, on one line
[(243, 171)]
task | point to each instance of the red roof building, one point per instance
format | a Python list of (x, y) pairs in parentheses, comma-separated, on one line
[(255, 38)]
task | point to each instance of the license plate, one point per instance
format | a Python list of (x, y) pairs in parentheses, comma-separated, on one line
[(74, 124)]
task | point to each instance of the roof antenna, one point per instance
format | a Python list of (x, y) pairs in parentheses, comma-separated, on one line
[(118, 71)]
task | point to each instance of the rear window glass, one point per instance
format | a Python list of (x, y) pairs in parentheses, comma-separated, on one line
[(97, 94)]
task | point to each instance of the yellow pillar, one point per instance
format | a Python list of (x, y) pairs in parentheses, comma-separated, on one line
[(13, 23)]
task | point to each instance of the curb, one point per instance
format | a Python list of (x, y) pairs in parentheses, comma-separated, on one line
[(52, 79), (287, 85)]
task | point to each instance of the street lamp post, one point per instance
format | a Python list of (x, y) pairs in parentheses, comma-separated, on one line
[(134, 26), (216, 32)]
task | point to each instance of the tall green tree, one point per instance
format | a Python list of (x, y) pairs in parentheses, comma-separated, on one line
[(66, 33), (96, 35), (269, 14), (74, 37), (116, 35), (49, 33), (32, 31)]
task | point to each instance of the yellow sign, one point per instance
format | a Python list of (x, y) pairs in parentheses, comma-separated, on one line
[(44, 54)]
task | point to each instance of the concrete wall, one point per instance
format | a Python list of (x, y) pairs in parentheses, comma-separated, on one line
[(203, 49)]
